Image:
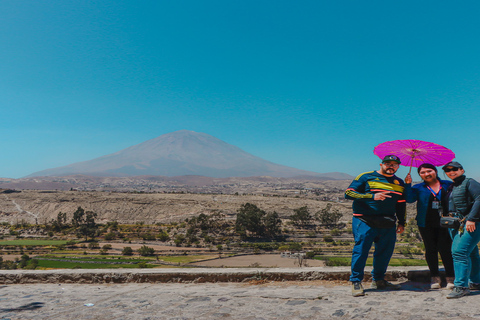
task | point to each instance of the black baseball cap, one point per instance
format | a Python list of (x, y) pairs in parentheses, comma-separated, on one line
[(454, 164), (391, 157)]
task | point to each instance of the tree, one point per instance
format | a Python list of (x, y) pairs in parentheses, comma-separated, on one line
[(127, 251), (146, 251), (88, 227), (24, 261), (272, 224), (328, 216), (59, 223), (78, 217), (301, 216), (250, 218), (84, 222)]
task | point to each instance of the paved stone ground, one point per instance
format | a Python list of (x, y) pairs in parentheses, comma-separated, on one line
[(253, 300)]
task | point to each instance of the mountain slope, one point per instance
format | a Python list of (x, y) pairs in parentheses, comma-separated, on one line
[(180, 153)]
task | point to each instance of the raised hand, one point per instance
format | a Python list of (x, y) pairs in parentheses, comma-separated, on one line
[(408, 179)]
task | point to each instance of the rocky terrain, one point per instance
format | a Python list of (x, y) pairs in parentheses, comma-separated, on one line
[(40, 206)]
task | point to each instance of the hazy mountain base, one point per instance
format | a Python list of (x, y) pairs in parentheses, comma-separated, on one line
[(193, 184)]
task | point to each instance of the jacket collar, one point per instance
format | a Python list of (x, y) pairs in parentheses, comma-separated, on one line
[(458, 181)]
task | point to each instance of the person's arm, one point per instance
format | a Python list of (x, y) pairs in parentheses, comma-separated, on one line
[(474, 191), (356, 190), (411, 193)]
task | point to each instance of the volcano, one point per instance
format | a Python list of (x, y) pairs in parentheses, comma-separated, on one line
[(182, 153)]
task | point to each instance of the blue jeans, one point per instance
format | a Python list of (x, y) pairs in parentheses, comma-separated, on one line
[(466, 259), (365, 236)]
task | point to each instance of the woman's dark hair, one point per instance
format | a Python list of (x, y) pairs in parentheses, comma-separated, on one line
[(428, 166)]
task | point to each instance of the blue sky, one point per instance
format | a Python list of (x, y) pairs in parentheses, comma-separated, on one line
[(314, 85)]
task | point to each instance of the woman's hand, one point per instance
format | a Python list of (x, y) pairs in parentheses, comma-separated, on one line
[(470, 226), (408, 179)]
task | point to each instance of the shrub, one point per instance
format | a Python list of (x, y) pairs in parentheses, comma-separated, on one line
[(71, 243), (127, 251), (327, 238), (146, 251), (337, 262), (32, 265), (163, 236), (335, 232), (93, 245), (179, 239), (147, 236), (110, 236)]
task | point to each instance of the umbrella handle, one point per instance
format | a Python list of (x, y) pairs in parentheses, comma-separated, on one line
[(411, 163)]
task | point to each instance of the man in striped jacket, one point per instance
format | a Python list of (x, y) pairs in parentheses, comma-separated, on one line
[(378, 203)]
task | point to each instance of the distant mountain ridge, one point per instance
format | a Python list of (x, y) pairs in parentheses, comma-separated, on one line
[(182, 153)]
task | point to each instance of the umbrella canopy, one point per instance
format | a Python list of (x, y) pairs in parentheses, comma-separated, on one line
[(413, 153)]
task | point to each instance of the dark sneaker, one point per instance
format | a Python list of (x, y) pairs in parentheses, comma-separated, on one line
[(384, 284), (357, 289), (458, 292), (474, 286)]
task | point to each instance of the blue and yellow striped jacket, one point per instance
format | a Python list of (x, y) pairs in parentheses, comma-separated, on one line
[(363, 188)]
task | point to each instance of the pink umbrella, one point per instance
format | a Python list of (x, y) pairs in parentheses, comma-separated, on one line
[(413, 153)]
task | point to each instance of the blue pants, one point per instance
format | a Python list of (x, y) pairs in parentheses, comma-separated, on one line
[(365, 236), (466, 259)]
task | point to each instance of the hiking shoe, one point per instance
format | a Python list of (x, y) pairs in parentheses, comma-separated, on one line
[(435, 283), (458, 292), (384, 284), (474, 286), (357, 289)]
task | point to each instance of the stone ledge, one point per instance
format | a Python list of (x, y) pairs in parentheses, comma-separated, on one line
[(199, 275)]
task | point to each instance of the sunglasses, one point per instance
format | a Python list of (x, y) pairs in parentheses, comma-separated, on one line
[(452, 169)]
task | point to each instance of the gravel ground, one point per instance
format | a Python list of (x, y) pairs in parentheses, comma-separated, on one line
[(253, 300)]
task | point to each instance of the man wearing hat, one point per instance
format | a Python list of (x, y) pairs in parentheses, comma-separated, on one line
[(378, 203), (464, 203)]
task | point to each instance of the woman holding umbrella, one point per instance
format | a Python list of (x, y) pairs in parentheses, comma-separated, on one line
[(464, 203), (431, 197)]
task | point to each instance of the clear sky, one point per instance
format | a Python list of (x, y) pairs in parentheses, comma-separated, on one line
[(314, 85)]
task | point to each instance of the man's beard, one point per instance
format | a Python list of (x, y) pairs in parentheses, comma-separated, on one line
[(389, 171)]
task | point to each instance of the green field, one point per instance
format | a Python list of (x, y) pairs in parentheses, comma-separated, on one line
[(25, 242), (91, 258), (74, 261), (48, 264), (185, 259)]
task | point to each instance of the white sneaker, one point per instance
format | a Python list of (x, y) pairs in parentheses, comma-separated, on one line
[(435, 283)]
